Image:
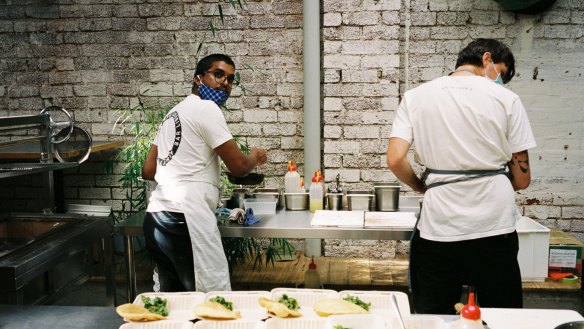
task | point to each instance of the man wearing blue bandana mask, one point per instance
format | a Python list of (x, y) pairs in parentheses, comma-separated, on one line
[(472, 136), (180, 227)]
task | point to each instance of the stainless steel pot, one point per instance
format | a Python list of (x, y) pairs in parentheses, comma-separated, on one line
[(359, 200), (386, 196), (296, 201), (237, 197), (335, 201)]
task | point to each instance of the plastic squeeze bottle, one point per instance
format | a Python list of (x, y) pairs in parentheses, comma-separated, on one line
[(316, 192), (292, 179), (311, 276), (470, 316)]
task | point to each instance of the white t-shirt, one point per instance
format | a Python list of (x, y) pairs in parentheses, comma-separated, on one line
[(186, 142), (465, 123)]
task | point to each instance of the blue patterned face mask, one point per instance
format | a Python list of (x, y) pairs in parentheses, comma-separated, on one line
[(216, 95)]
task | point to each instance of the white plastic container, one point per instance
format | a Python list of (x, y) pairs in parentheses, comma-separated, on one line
[(316, 192), (355, 321), (261, 206), (292, 179), (162, 324), (232, 324), (246, 302), (180, 304), (534, 241), (297, 323)]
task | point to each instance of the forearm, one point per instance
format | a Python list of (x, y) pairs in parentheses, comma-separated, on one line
[(405, 173), (519, 171), (397, 161), (149, 168)]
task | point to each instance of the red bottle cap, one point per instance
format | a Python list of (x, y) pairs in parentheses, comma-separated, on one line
[(312, 265), (291, 166), (470, 311)]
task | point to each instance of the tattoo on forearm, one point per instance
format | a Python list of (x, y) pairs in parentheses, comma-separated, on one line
[(522, 159)]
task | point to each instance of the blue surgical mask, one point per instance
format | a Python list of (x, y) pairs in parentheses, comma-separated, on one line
[(498, 80), (216, 95)]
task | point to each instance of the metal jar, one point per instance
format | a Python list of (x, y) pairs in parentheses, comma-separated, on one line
[(386, 196), (335, 201)]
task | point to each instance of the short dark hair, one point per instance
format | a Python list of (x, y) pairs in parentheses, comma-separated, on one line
[(206, 62), (473, 54)]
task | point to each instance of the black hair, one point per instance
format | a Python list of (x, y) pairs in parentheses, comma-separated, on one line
[(206, 62), (473, 54)]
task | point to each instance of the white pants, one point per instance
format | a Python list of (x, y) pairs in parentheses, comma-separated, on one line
[(211, 269)]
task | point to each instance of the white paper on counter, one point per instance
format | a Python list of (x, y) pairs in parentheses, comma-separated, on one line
[(390, 219), (506, 318), (340, 218)]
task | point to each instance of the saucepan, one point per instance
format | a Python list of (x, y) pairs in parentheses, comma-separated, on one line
[(249, 179), (571, 325)]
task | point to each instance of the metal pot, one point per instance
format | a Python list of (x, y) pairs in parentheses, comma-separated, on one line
[(237, 197), (571, 325), (335, 201), (359, 200), (386, 196)]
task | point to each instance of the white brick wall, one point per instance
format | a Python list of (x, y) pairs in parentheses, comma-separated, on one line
[(97, 58)]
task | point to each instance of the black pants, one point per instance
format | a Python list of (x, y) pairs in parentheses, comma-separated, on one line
[(167, 240), (440, 269)]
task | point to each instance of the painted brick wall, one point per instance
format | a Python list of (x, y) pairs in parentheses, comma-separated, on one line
[(96, 57)]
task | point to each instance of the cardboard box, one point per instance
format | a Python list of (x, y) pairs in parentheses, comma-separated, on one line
[(565, 253)]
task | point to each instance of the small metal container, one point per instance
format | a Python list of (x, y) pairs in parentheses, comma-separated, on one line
[(296, 201), (237, 197), (387, 196), (335, 201), (359, 200)]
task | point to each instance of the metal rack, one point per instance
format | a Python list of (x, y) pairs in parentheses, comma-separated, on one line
[(16, 130)]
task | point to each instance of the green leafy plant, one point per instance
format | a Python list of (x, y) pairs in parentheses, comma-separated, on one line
[(140, 124)]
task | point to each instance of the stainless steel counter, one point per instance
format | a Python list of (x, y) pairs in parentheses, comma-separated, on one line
[(283, 224), (296, 224)]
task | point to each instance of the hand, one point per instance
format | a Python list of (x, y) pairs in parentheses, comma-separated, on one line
[(259, 155)]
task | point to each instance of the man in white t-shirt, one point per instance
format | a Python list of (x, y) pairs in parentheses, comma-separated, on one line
[(180, 227), (467, 130)]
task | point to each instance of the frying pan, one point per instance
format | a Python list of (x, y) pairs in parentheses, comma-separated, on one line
[(571, 325), (249, 179)]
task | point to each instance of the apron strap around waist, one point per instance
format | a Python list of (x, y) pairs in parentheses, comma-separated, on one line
[(469, 175)]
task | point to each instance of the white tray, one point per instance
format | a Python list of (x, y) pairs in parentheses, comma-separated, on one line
[(423, 322), (306, 297), (505, 318), (162, 324), (246, 302), (180, 304), (381, 304), (390, 219), (232, 324), (296, 323), (356, 321), (341, 218)]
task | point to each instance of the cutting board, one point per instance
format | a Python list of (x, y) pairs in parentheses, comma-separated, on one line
[(342, 218), (390, 219)]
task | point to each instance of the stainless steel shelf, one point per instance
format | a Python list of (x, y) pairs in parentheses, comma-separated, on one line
[(20, 169)]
